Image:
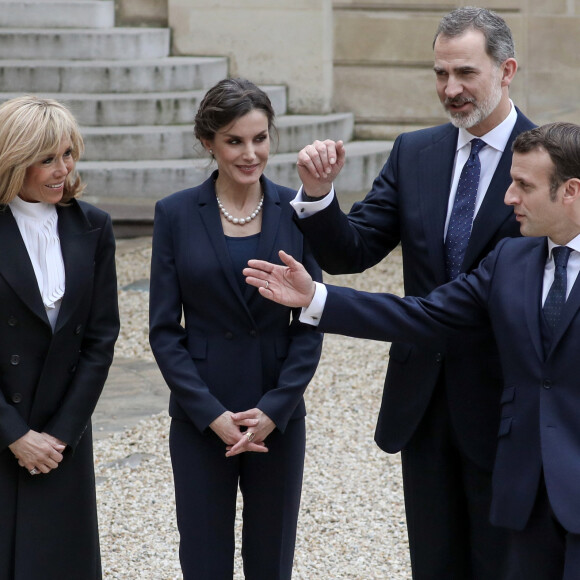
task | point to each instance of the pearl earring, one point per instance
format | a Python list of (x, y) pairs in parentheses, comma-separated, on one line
[(211, 151)]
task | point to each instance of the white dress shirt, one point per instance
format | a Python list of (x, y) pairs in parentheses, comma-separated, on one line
[(37, 223)]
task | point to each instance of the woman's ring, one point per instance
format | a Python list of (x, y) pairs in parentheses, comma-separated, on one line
[(267, 284), (34, 471), (250, 436)]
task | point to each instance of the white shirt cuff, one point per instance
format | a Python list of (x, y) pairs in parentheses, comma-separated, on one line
[(312, 313), (305, 209)]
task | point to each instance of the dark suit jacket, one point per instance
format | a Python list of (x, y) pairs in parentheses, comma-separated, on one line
[(51, 381), (540, 402), (408, 205), (236, 349)]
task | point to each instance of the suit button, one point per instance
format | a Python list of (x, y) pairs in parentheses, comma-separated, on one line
[(12, 321), (229, 335), (253, 333), (547, 384), (438, 357), (15, 360), (78, 329), (16, 398)]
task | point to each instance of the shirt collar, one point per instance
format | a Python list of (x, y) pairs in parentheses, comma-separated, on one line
[(574, 243), (497, 137)]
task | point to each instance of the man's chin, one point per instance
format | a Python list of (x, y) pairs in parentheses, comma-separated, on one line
[(462, 120)]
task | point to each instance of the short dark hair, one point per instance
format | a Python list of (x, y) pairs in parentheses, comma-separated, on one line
[(226, 102), (562, 143), (499, 42)]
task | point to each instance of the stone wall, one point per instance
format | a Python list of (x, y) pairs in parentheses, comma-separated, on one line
[(371, 57), (141, 12), (270, 42)]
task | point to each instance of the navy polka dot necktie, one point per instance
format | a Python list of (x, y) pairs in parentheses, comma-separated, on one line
[(556, 298), (461, 220)]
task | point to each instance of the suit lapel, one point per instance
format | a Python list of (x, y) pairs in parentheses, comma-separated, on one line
[(16, 267), (270, 224), (434, 183), (78, 241), (568, 314), (210, 216), (534, 276)]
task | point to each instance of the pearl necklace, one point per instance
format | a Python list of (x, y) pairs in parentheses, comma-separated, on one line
[(240, 221)]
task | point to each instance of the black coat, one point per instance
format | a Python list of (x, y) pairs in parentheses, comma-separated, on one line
[(51, 382)]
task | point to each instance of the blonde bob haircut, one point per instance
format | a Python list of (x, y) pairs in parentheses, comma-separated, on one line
[(32, 129)]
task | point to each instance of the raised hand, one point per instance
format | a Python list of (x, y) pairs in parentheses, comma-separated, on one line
[(290, 285), (319, 164)]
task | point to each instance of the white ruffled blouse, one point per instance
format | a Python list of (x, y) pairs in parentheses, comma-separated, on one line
[(37, 223)]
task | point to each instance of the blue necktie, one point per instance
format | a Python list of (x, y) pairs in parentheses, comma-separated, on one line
[(461, 220), (556, 298)]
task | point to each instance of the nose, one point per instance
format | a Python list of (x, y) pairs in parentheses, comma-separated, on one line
[(453, 88), (62, 167), (249, 152), (511, 197)]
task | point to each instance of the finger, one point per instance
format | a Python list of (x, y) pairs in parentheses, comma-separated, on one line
[(260, 266), (257, 282), (238, 448), (288, 260), (309, 158), (246, 422), (331, 154)]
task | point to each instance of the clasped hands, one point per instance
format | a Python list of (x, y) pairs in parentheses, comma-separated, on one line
[(38, 452), (228, 427)]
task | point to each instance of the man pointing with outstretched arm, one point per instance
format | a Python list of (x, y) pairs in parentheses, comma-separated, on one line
[(527, 290)]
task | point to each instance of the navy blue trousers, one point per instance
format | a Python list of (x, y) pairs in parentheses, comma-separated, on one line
[(206, 485)]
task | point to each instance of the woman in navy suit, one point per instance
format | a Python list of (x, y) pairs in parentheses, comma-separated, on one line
[(237, 364)]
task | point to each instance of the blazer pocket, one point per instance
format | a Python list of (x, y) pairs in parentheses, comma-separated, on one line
[(505, 426), (400, 351), (508, 395), (197, 347)]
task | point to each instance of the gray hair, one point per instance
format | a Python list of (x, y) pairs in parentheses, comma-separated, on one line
[(499, 42)]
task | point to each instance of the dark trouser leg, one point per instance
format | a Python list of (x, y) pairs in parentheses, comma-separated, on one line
[(447, 499), (206, 484), (544, 549), (271, 484)]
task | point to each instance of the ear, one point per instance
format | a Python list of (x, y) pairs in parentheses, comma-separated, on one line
[(207, 145), (571, 191), (509, 68)]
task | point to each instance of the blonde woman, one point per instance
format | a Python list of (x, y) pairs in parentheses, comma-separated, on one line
[(58, 325)]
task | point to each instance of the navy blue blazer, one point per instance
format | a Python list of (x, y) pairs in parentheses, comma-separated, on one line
[(408, 205), (540, 401), (235, 350)]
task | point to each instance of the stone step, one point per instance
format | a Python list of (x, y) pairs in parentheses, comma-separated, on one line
[(170, 108), (84, 43), (156, 179), (57, 14), (113, 76), (178, 141)]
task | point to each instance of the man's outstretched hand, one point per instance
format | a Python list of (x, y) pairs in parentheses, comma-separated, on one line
[(290, 285)]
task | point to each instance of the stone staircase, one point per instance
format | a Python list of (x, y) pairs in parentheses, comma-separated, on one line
[(135, 103)]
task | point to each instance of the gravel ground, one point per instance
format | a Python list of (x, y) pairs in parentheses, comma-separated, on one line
[(352, 523)]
